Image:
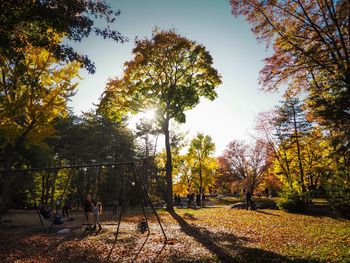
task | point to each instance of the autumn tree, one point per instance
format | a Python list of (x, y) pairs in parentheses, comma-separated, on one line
[(282, 130), (32, 95), (311, 53), (184, 177), (290, 126), (282, 159), (248, 164), (201, 149), (318, 160), (226, 177), (169, 73), (33, 23), (303, 159)]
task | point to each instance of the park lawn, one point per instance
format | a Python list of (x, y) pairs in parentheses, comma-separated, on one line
[(230, 200), (275, 234), (205, 235)]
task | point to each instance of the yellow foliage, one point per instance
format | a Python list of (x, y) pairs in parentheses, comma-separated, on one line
[(35, 93)]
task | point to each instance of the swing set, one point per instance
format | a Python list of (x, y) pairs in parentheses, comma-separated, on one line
[(72, 175)]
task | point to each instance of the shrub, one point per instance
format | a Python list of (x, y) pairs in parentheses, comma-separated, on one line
[(338, 195), (293, 201)]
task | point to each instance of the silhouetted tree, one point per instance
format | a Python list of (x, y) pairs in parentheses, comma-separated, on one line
[(169, 73)]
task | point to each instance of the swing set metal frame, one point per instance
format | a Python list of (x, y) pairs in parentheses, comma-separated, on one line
[(71, 173)]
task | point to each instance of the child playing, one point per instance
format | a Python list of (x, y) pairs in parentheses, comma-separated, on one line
[(56, 218), (143, 227), (97, 211)]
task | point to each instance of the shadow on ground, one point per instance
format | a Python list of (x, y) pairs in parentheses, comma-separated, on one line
[(227, 247), (322, 210)]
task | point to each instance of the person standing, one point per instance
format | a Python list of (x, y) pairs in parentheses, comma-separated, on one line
[(248, 199), (88, 208), (97, 211), (67, 205)]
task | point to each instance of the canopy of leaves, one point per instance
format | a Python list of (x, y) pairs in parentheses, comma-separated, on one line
[(201, 146), (33, 94), (308, 37), (315, 153), (168, 72), (91, 138), (24, 23), (311, 52), (196, 169), (245, 164)]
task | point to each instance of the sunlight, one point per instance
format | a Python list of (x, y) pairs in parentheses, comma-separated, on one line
[(148, 114)]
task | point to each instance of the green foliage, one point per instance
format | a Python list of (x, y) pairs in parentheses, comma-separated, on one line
[(77, 140), (33, 23), (201, 146), (293, 201), (91, 138), (338, 191), (32, 96), (168, 73)]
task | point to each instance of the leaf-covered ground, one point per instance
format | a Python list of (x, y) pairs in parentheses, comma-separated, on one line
[(205, 235)]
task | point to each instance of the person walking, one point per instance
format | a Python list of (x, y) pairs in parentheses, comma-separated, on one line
[(88, 208), (248, 199)]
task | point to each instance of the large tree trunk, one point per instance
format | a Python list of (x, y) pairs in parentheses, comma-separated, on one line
[(6, 179), (298, 152), (147, 162), (168, 169), (200, 184), (44, 182)]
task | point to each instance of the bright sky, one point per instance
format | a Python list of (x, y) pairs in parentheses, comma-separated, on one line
[(236, 53)]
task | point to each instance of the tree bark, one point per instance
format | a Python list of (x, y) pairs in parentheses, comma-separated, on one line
[(200, 184), (146, 162), (298, 152), (6, 179), (168, 168)]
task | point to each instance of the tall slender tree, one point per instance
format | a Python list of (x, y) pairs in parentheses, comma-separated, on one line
[(291, 124)]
